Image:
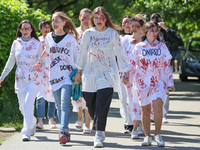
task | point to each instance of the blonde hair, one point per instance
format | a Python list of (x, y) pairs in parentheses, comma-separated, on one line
[(69, 26), (85, 10), (108, 23)]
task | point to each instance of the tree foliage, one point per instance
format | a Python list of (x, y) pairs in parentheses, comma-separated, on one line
[(181, 15), (12, 12)]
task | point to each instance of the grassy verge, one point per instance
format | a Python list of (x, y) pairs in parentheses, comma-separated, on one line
[(5, 135)]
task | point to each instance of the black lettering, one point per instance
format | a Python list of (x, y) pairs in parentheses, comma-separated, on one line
[(151, 52), (66, 67), (55, 61), (55, 81)]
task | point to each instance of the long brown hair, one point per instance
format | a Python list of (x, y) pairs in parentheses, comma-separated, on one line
[(108, 23), (33, 33), (84, 10), (69, 26)]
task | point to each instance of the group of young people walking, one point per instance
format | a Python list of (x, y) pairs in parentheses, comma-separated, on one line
[(135, 64)]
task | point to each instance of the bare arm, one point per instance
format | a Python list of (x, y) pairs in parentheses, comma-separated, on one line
[(39, 63)]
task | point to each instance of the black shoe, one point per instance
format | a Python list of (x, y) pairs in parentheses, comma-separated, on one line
[(128, 128), (177, 69)]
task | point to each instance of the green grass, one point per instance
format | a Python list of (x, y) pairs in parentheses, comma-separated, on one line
[(11, 116)]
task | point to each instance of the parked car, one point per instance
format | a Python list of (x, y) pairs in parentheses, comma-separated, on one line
[(190, 60)]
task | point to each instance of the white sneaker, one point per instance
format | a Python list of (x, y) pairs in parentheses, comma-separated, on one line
[(25, 138), (39, 125), (134, 134), (159, 140), (52, 124), (147, 141), (140, 130), (98, 139), (165, 119)]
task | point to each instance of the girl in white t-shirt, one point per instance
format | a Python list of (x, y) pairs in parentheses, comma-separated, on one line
[(137, 26), (153, 76), (25, 51), (61, 45), (100, 75)]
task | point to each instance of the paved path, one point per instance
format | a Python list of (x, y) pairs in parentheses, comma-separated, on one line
[(182, 132)]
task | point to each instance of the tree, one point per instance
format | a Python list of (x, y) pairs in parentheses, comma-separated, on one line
[(181, 15)]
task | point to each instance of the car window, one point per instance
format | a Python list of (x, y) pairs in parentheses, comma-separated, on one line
[(195, 45)]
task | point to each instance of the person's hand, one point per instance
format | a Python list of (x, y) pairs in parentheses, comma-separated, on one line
[(171, 88), (77, 78), (162, 25), (0, 82), (126, 78), (37, 66)]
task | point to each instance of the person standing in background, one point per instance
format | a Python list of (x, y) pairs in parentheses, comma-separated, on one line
[(80, 104), (176, 54), (25, 51), (146, 17), (45, 90)]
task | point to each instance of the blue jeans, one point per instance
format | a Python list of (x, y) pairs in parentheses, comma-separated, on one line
[(40, 106), (62, 99)]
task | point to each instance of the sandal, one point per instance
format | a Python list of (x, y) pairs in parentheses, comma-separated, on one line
[(78, 125), (87, 130)]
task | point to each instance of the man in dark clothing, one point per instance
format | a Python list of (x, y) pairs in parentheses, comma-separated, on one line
[(175, 51)]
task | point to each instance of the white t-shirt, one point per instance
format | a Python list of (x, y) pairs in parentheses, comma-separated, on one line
[(25, 54), (97, 59), (63, 56), (153, 73)]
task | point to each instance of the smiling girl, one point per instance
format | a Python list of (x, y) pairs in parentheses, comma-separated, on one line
[(61, 45), (25, 51)]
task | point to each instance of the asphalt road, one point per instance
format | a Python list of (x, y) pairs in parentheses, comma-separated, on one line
[(182, 132)]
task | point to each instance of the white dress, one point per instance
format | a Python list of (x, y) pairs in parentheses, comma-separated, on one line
[(153, 72), (97, 59), (63, 56), (25, 55), (123, 95), (132, 101), (45, 90)]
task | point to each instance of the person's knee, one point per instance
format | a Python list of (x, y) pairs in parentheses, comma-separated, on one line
[(158, 105), (146, 109)]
